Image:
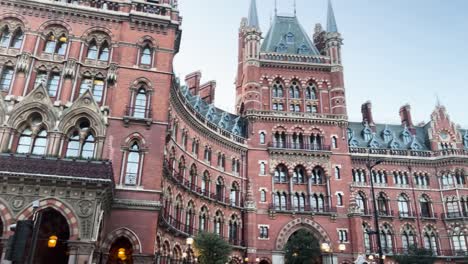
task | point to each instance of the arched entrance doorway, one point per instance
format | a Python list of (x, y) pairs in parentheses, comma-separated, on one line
[(53, 223), (121, 252), (302, 248)]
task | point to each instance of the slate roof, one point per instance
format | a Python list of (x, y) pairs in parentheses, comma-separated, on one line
[(253, 15), (387, 137), (464, 134), (234, 124), (287, 36)]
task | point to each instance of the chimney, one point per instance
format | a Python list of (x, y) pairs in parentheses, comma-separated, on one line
[(207, 91), (405, 115), (192, 81), (366, 110)]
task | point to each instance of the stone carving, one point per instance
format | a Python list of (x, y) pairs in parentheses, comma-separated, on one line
[(22, 63), (85, 208), (17, 202), (112, 73), (70, 69)]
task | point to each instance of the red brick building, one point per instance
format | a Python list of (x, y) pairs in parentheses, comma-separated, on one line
[(122, 155)]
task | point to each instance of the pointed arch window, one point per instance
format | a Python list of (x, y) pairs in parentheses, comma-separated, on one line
[(367, 238), (262, 168), (5, 38), (294, 91), (81, 142), (104, 52), (299, 175), (263, 195), (280, 174), (92, 50), (407, 238), (334, 141), (40, 143), (133, 165), (56, 45), (205, 188), (279, 139), (262, 137), (430, 240), (218, 223), (339, 199), (17, 40), (403, 206), (234, 195), (146, 55), (220, 189), (233, 230), (382, 205), (25, 141), (317, 175), (311, 92), (203, 220), (140, 109), (95, 85), (337, 173), (361, 202), (459, 241), (277, 89), (6, 78), (426, 207), (386, 238), (189, 218)]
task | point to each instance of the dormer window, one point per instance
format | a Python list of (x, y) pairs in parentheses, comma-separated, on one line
[(281, 48), (290, 38), (350, 133), (406, 135), (465, 140), (367, 134), (387, 135), (303, 49)]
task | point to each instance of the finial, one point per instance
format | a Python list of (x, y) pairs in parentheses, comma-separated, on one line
[(253, 15), (438, 104), (331, 21), (276, 7)]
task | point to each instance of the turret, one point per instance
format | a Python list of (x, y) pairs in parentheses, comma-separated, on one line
[(248, 88), (333, 40)]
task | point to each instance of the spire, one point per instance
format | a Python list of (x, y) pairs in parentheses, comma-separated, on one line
[(253, 16), (331, 22)]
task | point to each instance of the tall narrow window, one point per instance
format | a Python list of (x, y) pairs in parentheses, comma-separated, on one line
[(403, 206), (263, 196), (104, 52), (73, 149), (5, 38), (52, 84), (262, 168), (50, 45), (133, 165), (337, 173), (25, 141), (334, 141), (81, 142), (262, 137), (40, 143), (17, 39), (96, 87), (62, 45), (339, 199), (92, 50), (145, 58), (140, 108), (6, 78), (88, 147)]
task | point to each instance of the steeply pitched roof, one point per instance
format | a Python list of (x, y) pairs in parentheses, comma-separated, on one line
[(253, 15), (287, 36), (331, 21)]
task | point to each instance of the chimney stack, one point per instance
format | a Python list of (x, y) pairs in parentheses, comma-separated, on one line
[(366, 110), (192, 81), (405, 115)]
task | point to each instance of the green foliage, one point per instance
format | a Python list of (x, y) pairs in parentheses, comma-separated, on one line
[(211, 249), (416, 255), (302, 248)]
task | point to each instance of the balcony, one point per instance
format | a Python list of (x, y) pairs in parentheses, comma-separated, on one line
[(176, 226), (429, 216), (455, 215), (289, 208), (409, 153), (407, 215), (136, 114), (223, 198), (298, 146), (382, 214), (151, 8)]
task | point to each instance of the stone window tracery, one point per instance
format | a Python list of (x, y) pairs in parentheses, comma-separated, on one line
[(359, 175), (425, 205), (311, 92), (220, 188), (459, 241), (367, 238), (386, 238), (280, 174), (33, 138), (280, 200), (50, 80), (452, 207), (203, 219), (279, 139), (299, 175), (318, 202), (294, 90), (382, 204), (361, 202), (403, 205), (234, 230), (98, 47), (299, 201), (318, 175), (218, 223), (430, 240), (56, 41), (234, 194), (407, 238), (11, 38), (81, 142), (277, 89), (189, 214)]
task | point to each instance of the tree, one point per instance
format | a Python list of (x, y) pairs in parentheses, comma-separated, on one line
[(211, 249), (302, 248), (416, 255)]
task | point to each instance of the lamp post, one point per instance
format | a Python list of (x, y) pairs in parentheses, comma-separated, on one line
[(370, 166), (189, 242)]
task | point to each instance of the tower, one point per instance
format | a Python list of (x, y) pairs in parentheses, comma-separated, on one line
[(248, 88)]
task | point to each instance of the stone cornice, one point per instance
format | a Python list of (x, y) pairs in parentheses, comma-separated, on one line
[(405, 160), (136, 204), (276, 116)]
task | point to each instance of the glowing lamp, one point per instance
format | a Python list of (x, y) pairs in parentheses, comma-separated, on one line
[(63, 39), (52, 242), (246, 259), (121, 254), (257, 260), (342, 247), (189, 241), (325, 247)]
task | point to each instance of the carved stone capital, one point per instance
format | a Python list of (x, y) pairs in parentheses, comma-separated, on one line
[(22, 63), (69, 70)]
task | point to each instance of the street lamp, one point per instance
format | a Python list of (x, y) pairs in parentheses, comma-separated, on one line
[(370, 166), (189, 242), (52, 242), (342, 247)]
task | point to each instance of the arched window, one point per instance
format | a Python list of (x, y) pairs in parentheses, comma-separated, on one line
[(205, 188), (140, 108), (104, 52), (277, 89), (133, 165), (334, 142), (56, 45), (234, 195), (382, 204), (315, 142), (189, 218), (452, 208), (262, 168), (430, 240), (317, 175), (386, 239), (318, 202), (294, 91), (218, 223), (339, 199), (220, 189), (297, 141), (146, 55), (337, 173), (299, 175), (233, 230), (81, 142), (407, 238), (17, 39), (403, 206), (367, 238), (40, 143), (25, 141), (426, 208), (459, 241), (279, 140), (280, 174), (5, 38), (262, 137), (281, 200), (92, 50), (311, 92), (95, 85), (203, 219), (361, 202), (263, 195)]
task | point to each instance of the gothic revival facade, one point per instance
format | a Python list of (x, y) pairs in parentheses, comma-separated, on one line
[(121, 154)]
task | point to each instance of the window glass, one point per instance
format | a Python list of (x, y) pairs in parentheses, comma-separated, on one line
[(104, 54), (73, 148), (50, 45), (86, 83), (17, 40), (88, 147), (133, 162), (6, 78), (52, 84), (25, 141), (146, 56), (140, 104), (5, 39), (98, 90), (92, 51), (40, 143)]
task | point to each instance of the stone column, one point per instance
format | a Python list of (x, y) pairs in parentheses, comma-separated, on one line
[(54, 143), (80, 252), (5, 134)]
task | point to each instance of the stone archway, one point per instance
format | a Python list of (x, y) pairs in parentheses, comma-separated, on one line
[(317, 231)]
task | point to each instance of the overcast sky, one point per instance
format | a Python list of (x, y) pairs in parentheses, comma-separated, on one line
[(395, 51)]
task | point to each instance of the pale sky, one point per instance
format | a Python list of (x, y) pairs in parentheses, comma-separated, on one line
[(395, 51)]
